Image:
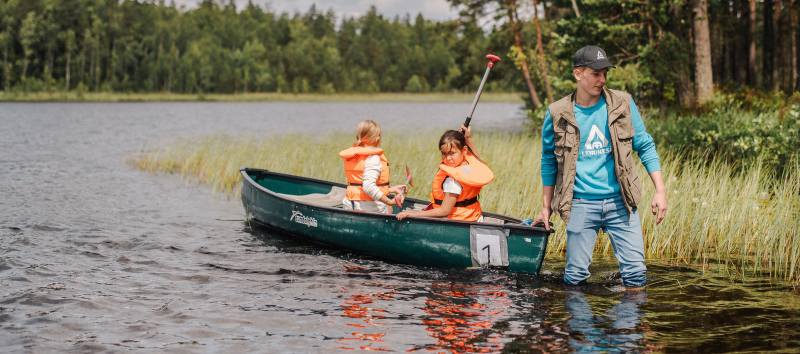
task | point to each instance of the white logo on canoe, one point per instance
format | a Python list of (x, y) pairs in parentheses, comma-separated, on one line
[(299, 218)]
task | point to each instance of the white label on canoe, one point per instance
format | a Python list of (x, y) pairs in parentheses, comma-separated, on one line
[(489, 250), (305, 220)]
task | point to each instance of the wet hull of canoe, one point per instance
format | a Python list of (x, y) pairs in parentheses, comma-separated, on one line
[(269, 198)]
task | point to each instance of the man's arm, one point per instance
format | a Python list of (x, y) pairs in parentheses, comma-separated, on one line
[(646, 148), (549, 162), (659, 203), (549, 171), (547, 210), (643, 143)]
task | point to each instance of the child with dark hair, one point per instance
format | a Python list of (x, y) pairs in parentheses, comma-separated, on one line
[(458, 182)]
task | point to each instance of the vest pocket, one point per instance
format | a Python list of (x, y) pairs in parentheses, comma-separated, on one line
[(570, 138), (625, 148), (634, 188), (624, 128)]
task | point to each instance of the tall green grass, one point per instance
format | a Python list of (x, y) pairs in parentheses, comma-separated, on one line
[(741, 216)]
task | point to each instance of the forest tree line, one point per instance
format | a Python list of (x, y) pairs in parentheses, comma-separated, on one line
[(674, 52)]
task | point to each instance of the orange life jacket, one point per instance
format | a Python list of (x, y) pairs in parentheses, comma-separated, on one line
[(354, 160), (471, 177)]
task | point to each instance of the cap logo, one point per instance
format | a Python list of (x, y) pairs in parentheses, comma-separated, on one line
[(600, 55)]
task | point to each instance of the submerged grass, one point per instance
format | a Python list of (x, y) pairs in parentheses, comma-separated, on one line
[(742, 217)]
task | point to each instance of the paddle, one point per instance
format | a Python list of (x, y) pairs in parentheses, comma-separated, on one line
[(492, 59), (409, 182)]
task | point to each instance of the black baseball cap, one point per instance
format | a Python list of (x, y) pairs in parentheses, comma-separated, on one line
[(593, 57)]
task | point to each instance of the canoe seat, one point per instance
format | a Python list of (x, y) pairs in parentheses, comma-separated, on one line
[(332, 199), (490, 220), (415, 207)]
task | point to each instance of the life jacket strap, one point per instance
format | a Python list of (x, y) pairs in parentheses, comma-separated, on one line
[(462, 204), (361, 185)]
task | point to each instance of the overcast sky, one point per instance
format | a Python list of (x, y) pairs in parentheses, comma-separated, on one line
[(431, 9)]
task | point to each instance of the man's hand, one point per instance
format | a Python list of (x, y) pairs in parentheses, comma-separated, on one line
[(544, 216), (659, 206)]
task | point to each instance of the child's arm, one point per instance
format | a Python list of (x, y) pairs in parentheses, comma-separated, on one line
[(372, 171), (468, 136), (448, 203)]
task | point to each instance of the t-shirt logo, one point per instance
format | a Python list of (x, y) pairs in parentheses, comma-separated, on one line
[(596, 139), (600, 55), (596, 144)]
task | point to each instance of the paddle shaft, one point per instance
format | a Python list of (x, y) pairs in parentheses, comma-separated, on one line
[(408, 180), (492, 59), (477, 97)]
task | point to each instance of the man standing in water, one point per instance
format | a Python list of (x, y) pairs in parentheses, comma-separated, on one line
[(588, 172)]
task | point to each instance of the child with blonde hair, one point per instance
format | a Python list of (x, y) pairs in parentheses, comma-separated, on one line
[(367, 170)]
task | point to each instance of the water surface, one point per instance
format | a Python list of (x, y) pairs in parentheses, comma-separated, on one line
[(96, 256)]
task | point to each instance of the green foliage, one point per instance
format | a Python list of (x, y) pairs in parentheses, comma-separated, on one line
[(641, 38), (146, 46), (80, 91), (742, 127), (414, 85), (149, 46)]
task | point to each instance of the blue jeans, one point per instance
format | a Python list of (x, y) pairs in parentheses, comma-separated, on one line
[(624, 230)]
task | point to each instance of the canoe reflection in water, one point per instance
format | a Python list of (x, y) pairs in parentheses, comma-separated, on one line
[(360, 306), (625, 332), (460, 318)]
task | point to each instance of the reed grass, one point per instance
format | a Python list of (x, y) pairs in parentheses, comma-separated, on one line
[(741, 216)]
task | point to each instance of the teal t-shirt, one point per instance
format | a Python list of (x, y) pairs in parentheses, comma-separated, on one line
[(595, 177)]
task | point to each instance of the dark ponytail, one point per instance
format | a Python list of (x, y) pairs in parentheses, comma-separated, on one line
[(454, 138)]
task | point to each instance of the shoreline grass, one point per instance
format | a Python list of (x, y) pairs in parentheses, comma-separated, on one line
[(741, 217), (73, 96)]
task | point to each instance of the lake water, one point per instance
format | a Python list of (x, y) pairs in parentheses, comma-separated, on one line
[(98, 257)]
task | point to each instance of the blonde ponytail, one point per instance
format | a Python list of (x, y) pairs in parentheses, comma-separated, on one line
[(368, 131)]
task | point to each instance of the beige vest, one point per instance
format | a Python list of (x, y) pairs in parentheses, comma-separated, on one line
[(567, 138)]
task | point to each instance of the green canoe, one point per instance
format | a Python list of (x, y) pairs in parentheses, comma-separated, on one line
[(311, 209)]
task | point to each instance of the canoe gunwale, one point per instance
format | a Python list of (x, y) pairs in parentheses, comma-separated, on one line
[(518, 227)]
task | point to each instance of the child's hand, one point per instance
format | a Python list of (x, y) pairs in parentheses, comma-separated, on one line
[(466, 131), (397, 200), (404, 214), (399, 189)]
